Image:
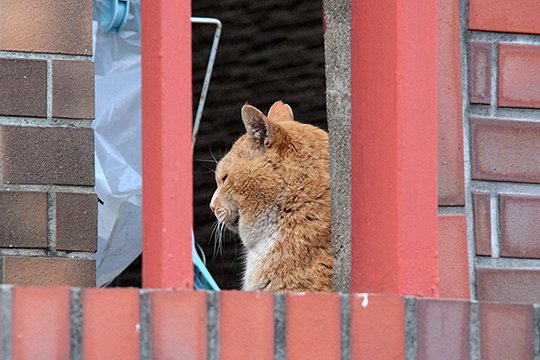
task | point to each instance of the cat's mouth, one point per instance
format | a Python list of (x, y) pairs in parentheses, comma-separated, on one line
[(228, 218)]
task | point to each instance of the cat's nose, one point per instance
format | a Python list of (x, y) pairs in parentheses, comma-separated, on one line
[(213, 201)]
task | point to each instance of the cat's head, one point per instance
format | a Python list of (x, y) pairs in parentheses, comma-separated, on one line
[(275, 154)]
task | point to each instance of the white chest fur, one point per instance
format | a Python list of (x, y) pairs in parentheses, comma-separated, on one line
[(258, 239)]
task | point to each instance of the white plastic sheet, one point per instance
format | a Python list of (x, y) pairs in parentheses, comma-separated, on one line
[(118, 144)]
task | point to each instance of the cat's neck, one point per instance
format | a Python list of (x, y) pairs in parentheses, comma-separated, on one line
[(259, 235), (278, 244), (258, 238)]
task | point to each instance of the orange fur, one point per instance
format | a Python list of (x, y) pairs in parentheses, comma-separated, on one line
[(273, 188)]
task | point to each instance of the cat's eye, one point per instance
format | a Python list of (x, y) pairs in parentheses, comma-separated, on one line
[(224, 178)]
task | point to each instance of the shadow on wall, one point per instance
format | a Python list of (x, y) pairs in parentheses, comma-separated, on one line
[(268, 51)]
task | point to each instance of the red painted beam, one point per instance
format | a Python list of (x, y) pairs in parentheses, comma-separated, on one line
[(166, 143), (394, 147)]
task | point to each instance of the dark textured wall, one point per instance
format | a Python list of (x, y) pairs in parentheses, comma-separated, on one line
[(269, 50)]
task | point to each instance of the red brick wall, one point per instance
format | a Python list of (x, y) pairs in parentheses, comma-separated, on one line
[(453, 245), (503, 131), (489, 149), (48, 226), (56, 323)]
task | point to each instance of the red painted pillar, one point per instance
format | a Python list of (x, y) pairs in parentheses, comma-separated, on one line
[(167, 121), (394, 147)]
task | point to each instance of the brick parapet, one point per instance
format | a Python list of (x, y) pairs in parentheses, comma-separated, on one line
[(201, 325), (46, 138)]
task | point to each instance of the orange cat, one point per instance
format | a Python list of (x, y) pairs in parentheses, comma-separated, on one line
[(273, 189)]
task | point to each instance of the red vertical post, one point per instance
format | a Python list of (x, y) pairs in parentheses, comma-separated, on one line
[(166, 143), (394, 147)]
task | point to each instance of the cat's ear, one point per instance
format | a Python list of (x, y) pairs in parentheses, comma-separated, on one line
[(280, 112), (257, 125)]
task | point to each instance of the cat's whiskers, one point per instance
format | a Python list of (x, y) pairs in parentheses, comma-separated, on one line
[(214, 235), (220, 238), (208, 171), (218, 230), (213, 160), (213, 156)]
